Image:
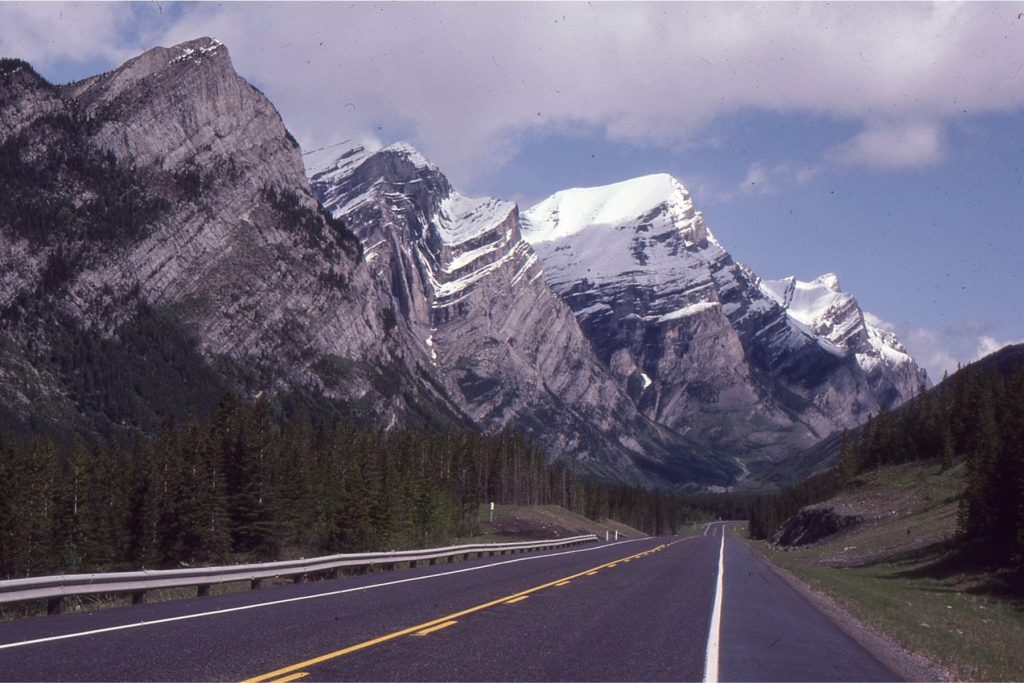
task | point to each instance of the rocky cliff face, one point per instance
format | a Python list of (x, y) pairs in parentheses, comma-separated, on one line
[(697, 339), (170, 183), (470, 298), (836, 317)]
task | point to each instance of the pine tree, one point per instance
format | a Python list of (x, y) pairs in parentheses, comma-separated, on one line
[(849, 464)]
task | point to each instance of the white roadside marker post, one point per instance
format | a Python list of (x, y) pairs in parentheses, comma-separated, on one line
[(492, 512)]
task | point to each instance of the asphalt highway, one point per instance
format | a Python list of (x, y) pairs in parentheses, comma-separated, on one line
[(699, 608)]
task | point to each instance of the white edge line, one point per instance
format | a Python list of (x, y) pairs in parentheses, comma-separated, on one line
[(227, 610), (711, 657)]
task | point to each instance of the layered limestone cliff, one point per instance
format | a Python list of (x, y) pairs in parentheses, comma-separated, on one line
[(172, 183), (470, 293)]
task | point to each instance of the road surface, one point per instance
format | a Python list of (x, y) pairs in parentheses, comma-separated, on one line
[(670, 608)]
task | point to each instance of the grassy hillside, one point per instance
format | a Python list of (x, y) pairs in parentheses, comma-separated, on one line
[(541, 522), (900, 572)]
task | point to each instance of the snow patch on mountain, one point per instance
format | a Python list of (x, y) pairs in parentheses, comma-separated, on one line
[(462, 219), (339, 158), (197, 53), (687, 311), (835, 316), (570, 211), (642, 232), (884, 341)]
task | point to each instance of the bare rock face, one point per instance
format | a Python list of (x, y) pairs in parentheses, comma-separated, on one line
[(24, 96), (172, 183), (471, 300), (812, 524)]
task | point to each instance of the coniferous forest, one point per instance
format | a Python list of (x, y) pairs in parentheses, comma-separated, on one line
[(975, 416), (245, 485)]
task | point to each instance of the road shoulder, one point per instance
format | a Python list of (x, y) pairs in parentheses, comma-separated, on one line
[(906, 664)]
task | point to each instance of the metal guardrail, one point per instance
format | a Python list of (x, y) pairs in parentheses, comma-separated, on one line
[(54, 589)]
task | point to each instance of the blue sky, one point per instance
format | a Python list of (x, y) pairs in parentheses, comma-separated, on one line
[(883, 142)]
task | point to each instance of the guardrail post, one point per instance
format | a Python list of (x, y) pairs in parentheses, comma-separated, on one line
[(299, 578), (432, 561), (389, 566), (255, 584), (203, 590), (337, 573), (55, 605), (139, 598)]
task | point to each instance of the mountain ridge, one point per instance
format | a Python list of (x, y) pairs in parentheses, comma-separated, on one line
[(164, 205), (690, 332)]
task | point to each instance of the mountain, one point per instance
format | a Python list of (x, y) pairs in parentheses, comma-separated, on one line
[(700, 342), (476, 318), (836, 317), (163, 240), (160, 243)]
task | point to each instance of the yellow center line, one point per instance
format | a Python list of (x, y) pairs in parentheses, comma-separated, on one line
[(563, 583), (428, 631), (514, 600), (433, 622), (293, 677)]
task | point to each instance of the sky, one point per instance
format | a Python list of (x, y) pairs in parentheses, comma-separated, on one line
[(880, 141)]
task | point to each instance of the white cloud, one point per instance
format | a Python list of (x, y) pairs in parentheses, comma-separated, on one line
[(875, 321), (46, 34), (956, 345), (893, 146), (763, 180), (466, 81)]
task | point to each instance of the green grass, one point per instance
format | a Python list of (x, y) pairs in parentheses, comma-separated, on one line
[(695, 529), (899, 573), (542, 522)]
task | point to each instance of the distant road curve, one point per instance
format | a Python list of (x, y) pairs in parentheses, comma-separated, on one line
[(698, 608)]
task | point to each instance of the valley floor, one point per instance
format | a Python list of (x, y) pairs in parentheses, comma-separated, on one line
[(898, 573)]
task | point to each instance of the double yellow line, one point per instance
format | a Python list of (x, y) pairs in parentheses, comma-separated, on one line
[(293, 672)]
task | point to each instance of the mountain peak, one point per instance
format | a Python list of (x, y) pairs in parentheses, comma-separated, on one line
[(197, 49), (411, 154), (830, 281), (629, 202)]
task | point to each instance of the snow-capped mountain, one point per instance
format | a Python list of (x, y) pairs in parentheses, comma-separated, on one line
[(160, 243), (836, 317), (692, 335), (481, 322)]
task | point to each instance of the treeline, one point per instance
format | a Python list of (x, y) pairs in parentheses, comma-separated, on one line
[(767, 513), (242, 486), (977, 417)]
